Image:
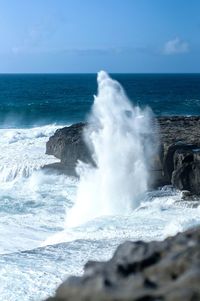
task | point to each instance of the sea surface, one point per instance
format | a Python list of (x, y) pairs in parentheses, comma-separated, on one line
[(28, 100), (38, 249)]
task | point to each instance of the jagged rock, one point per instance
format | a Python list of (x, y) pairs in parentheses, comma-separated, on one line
[(140, 271), (67, 144), (186, 174), (179, 135), (178, 152), (187, 177), (172, 160), (184, 155)]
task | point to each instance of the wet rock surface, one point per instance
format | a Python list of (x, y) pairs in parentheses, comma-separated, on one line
[(177, 163), (180, 142), (67, 144), (140, 271)]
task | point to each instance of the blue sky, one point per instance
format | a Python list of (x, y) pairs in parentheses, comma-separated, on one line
[(89, 35)]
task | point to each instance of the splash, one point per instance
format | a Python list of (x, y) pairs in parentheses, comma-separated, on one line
[(23, 152), (119, 136)]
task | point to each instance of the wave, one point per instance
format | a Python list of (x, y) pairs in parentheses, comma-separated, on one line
[(14, 135), (23, 151), (8, 174)]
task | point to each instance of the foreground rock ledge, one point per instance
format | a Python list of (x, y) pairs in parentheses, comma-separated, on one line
[(177, 163), (139, 271)]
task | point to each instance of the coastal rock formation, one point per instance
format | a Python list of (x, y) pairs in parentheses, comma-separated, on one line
[(177, 163), (140, 271), (67, 144), (180, 140)]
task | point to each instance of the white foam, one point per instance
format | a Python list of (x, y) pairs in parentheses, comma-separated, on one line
[(27, 193), (32, 214), (23, 151)]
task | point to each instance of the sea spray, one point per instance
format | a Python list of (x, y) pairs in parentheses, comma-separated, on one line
[(23, 152), (119, 136)]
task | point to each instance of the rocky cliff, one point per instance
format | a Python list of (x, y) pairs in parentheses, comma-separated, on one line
[(177, 163)]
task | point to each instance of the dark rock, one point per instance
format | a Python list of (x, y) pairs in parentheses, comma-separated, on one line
[(170, 163), (178, 152), (187, 169), (185, 194), (180, 142), (140, 271), (183, 155), (67, 144), (187, 177)]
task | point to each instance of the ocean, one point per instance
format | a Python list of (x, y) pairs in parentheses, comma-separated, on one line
[(28, 100), (38, 246)]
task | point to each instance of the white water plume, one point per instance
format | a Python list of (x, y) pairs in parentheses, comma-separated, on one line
[(119, 136)]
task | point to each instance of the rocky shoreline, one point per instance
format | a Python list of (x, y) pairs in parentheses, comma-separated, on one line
[(141, 271), (177, 163)]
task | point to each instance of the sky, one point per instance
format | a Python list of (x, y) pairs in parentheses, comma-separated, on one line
[(78, 36)]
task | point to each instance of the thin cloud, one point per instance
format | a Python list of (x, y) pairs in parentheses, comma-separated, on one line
[(106, 51), (93, 51), (33, 46), (175, 46)]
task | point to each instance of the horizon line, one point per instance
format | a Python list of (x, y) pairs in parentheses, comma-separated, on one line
[(83, 73)]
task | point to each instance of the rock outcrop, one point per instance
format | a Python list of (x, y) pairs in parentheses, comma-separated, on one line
[(177, 163), (67, 144), (180, 141), (140, 271)]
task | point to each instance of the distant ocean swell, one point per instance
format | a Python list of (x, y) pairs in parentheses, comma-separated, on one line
[(34, 100)]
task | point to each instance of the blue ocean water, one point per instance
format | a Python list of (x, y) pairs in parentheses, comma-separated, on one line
[(38, 247), (37, 99)]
